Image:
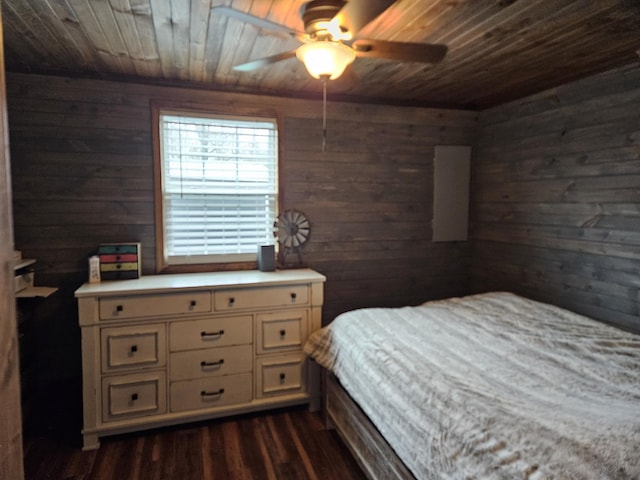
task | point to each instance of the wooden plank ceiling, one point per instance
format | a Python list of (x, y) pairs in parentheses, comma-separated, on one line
[(498, 50)]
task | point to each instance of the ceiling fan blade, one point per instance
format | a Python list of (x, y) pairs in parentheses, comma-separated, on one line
[(406, 52), (355, 15), (257, 21), (263, 62)]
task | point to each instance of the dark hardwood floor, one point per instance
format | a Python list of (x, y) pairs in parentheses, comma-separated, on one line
[(285, 444)]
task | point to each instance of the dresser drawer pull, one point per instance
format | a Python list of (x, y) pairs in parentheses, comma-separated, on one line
[(232, 301), (134, 348), (293, 296), (119, 308), (283, 332), (204, 363), (219, 333), (282, 377), (204, 393), (134, 397), (192, 303)]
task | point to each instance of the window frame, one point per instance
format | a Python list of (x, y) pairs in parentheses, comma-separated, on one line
[(158, 107)]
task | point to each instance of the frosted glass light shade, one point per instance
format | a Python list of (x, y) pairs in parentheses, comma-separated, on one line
[(325, 59)]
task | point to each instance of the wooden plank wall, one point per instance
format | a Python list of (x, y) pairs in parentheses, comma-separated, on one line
[(556, 197), (82, 175)]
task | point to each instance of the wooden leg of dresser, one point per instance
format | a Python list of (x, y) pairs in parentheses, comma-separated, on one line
[(90, 441)]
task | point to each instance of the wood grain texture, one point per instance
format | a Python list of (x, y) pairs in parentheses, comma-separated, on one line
[(10, 418), (376, 457), (498, 51), (83, 175), (555, 198), (283, 445)]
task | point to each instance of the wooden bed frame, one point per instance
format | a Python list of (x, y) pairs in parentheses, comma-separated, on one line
[(376, 457)]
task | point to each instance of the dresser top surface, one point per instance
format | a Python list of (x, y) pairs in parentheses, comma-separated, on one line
[(190, 281)]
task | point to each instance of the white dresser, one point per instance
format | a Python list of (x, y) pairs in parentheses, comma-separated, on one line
[(168, 349)]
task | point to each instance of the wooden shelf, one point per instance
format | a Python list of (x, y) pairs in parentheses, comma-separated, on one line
[(25, 262)]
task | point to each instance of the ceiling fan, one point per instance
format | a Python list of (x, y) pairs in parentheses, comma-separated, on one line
[(330, 41)]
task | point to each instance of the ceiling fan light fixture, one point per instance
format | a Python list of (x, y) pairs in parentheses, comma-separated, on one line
[(325, 58)]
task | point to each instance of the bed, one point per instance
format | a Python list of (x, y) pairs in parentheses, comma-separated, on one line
[(490, 386)]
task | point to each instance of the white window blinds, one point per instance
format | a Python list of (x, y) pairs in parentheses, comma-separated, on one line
[(219, 187)]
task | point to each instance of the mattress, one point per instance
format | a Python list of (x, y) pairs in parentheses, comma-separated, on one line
[(492, 386)]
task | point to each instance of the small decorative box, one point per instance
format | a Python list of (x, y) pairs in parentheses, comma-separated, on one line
[(119, 261)]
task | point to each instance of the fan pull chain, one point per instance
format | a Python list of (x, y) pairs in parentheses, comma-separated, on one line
[(324, 114)]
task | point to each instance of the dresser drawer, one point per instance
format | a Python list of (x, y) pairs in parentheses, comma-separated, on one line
[(211, 362), (114, 308), (226, 300), (133, 395), (137, 346), (211, 332), (211, 392), (279, 375), (281, 331)]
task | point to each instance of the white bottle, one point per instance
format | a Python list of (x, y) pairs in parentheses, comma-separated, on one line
[(94, 269)]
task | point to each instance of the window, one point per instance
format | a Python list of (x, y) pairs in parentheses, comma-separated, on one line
[(217, 188)]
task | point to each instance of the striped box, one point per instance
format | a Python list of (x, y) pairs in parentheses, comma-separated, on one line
[(119, 261)]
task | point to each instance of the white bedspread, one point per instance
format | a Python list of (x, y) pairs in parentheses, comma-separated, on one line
[(492, 386)]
